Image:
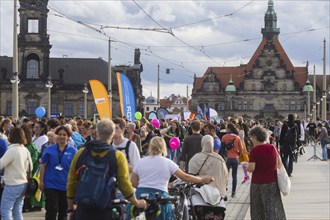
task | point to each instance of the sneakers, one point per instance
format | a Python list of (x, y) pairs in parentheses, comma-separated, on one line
[(245, 179), (232, 195)]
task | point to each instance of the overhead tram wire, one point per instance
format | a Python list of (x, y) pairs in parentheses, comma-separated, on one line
[(215, 18), (307, 28), (182, 41), (103, 33)]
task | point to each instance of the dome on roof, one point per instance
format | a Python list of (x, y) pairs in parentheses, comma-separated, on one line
[(151, 100)]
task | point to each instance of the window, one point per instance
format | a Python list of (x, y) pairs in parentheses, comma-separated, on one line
[(221, 106), (250, 105), (253, 87), (54, 108), (245, 105), (155, 108), (287, 106), (33, 26), (31, 107), (239, 106), (9, 108), (298, 106), (68, 109), (292, 105), (32, 69), (147, 108), (81, 109)]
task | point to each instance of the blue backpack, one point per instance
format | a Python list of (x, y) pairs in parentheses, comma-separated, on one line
[(97, 178)]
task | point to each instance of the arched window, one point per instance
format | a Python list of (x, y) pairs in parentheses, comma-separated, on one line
[(32, 66)]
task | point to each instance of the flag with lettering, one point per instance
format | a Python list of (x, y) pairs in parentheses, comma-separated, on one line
[(126, 96), (101, 99)]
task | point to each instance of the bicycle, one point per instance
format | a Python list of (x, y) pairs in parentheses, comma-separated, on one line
[(154, 201)]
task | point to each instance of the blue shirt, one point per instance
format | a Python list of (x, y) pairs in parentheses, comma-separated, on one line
[(3, 147), (217, 144), (58, 165)]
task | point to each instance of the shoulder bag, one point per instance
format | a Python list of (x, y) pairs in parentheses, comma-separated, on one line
[(201, 166), (283, 180), (32, 185)]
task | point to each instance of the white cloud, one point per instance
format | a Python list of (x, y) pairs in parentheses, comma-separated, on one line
[(222, 38)]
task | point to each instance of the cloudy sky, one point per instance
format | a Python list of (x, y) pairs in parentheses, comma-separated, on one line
[(204, 34)]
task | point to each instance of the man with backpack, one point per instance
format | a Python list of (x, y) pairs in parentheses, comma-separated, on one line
[(288, 141), (127, 147), (95, 171)]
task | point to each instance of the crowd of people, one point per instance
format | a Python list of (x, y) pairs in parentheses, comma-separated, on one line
[(145, 160)]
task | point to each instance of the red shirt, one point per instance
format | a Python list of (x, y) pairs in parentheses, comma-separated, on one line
[(264, 157)]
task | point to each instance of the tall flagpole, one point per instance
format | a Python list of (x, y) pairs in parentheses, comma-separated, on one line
[(15, 78), (324, 94)]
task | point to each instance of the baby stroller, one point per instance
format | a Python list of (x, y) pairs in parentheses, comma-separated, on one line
[(206, 203)]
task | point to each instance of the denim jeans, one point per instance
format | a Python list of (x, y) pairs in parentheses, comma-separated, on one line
[(12, 201), (233, 163), (324, 151)]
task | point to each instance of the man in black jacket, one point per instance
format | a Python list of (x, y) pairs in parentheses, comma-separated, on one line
[(288, 141)]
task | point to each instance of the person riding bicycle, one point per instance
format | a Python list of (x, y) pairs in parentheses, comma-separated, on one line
[(152, 173)]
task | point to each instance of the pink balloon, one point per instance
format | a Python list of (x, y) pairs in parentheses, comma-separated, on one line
[(155, 122), (174, 143)]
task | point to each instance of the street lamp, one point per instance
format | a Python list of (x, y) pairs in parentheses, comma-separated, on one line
[(85, 91), (318, 108), (15, 81), (49, 86), (308, 88), (230, 88)]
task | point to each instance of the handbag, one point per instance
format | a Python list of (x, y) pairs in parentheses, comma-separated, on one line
[(244, 156), (326, 140), (32, 184), (283, 180)]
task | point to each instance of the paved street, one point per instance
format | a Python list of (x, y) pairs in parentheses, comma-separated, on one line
[(309, 197)]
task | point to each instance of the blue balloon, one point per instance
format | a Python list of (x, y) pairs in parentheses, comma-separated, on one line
[(40, 112)]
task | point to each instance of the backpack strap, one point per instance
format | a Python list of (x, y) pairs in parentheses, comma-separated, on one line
[(110, 158), (126, 149)]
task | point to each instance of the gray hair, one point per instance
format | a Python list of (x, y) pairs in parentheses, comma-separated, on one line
[(259, 132), (105, 130), (131, 125)]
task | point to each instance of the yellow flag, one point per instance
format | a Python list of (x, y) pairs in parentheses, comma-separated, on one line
[(36, 176), (101, 99)]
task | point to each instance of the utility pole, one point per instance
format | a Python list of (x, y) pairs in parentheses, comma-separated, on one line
[(110, 77), (324, 95), (314, 96), (15, 78), (158, 94), (187, 99)]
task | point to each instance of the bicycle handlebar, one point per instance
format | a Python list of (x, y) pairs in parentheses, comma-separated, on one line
[(153, 204)]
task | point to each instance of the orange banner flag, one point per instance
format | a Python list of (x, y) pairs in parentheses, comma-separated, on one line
[(101, 99)]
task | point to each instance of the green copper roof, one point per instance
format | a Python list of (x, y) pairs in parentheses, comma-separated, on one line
[(308, 87), (230, 87)]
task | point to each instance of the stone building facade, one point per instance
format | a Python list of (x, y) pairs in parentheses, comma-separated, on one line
[(267, 87), (68, 75)]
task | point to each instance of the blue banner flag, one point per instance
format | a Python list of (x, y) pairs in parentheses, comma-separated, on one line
[(199, 110), (207, 111), (127, 97)]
